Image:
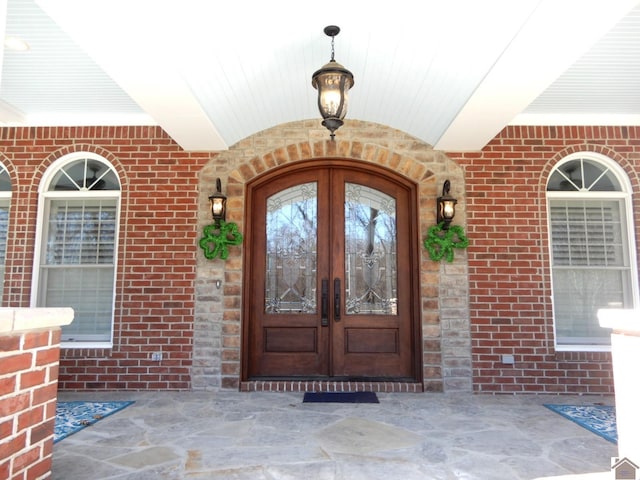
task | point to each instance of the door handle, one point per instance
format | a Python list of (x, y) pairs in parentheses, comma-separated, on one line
[(336, 299), (324, 303)]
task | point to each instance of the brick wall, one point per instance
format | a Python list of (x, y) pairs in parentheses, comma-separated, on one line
[(157, 249), (509, 273), (166, 294), (28, 390)]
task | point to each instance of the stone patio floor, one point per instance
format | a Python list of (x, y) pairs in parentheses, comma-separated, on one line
[(275, 436)]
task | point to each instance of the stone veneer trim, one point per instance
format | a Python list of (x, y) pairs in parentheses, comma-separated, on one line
[(444, 290)]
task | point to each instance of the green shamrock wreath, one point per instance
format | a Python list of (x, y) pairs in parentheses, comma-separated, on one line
[(216, 244), (439, 245)]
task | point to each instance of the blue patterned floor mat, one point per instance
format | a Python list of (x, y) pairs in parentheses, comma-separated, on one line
[(74, 416), (599, 419)]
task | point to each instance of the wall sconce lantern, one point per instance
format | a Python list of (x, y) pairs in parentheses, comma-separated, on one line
[(443, 238), (446, 206), (218, 204), (221, 234), (333, 82)]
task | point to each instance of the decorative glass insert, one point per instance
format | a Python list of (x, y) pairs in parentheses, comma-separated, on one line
[(291, 250), (370, 252)]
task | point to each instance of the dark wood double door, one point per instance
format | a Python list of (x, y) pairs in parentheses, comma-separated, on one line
[(331, 287)]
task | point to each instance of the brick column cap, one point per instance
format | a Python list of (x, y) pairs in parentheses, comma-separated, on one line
[(621, 320), (25, 319)]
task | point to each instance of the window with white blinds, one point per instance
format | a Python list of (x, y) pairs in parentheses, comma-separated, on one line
[(81, 232), (591, 258), (78, 247), (4, 231), (5, 200)]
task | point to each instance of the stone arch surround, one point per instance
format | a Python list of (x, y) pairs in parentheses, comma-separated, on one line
[(444, 287)]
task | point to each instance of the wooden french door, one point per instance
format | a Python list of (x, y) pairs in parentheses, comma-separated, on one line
[(332, 276)]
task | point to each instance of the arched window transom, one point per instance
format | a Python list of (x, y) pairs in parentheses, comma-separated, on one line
[(85, 174)]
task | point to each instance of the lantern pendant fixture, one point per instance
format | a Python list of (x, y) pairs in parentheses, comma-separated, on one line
[(333, 82)]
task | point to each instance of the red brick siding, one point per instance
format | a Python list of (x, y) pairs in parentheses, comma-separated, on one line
[(28, 387), (510, 289), (157, 249)]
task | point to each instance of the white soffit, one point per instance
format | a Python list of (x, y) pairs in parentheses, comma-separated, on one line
[(135, 43), (54, 82), (555, 36), (213, 73), (601, 88), (7, 111), (452, 74)]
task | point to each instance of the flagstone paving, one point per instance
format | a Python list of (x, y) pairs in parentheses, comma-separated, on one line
[(274, 436)]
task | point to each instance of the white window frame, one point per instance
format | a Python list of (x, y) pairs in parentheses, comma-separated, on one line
[(626, 197), (44, 195)]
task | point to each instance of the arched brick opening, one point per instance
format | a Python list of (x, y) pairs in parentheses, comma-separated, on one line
[(446, 342)]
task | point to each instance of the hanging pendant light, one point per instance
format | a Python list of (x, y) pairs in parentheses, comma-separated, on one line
[(333, 82)]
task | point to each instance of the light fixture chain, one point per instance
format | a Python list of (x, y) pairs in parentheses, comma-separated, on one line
[(333, 37)]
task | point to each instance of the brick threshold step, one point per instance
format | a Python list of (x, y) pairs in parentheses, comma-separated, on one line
[(329, 386)]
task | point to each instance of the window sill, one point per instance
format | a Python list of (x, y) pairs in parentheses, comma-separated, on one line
[(583, 348), (86, 345)]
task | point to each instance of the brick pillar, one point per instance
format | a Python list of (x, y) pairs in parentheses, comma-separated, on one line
[(625, 348), (29, 355)]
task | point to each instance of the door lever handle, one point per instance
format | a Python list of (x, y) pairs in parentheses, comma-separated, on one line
[(336, 299), (324, 303)]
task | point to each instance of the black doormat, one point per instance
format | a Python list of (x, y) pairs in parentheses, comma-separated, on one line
[(340, 397)]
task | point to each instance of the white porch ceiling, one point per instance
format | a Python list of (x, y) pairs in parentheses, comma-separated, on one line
[(451, 73)]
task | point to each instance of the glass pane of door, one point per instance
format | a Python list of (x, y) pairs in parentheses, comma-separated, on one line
[(291, 250), (370, 252)]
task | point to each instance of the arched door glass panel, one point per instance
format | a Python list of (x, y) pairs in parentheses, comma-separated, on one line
[(370, 251), (292, 254)]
